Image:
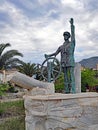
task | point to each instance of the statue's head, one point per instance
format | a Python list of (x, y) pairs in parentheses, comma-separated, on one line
[(66, 35)]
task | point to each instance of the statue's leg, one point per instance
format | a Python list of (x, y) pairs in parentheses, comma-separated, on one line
[(72, 80), (66, 80)]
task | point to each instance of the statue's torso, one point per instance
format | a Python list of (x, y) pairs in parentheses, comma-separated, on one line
[(67, 54)]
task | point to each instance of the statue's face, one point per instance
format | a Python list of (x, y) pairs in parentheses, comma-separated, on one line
[(66, 37)]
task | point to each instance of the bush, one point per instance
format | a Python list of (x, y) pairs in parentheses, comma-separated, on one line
[(3, 88), (59, 84), (12, 89), (88, 79), (7, 87)]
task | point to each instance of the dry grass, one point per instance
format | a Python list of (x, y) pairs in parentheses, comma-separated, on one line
[(12, 115)]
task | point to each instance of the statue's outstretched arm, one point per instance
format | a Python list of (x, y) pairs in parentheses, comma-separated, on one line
[(72, 30)]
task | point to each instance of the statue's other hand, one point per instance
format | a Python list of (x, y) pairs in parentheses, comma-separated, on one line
[(46, 56), (71, 21)]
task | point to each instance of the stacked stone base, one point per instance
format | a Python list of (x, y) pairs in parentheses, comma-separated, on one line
[(62, 112)]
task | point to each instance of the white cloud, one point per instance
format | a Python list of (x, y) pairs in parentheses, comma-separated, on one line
[(34, 37), (76, 4), (42, 2)]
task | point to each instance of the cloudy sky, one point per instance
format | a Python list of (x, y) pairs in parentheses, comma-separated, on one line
[(35, 27)]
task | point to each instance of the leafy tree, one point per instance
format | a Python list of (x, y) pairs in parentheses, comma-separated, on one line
[(59, 84), (88, 79), (38, 74), (27, 68), (7, 58)]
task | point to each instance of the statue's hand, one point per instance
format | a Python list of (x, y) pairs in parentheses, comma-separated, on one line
[(46, 56), (71, 21)]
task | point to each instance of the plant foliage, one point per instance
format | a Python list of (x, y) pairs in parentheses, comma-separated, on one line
[(7, 58), (88, 78), (27, 68)]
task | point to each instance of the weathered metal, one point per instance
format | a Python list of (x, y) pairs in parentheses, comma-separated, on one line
[(67, 59), (51, 69)]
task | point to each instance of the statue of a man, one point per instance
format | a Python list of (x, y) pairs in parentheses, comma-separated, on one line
[(67, 59)]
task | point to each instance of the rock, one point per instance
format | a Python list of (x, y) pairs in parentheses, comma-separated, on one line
[(62, 111)]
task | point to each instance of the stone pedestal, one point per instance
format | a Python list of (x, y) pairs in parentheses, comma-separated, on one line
[(62, 111), (77, 73)]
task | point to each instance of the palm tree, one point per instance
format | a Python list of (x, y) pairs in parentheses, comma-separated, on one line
[(7, 58), (27, 68)]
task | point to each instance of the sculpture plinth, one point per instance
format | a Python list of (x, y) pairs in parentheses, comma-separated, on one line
[(62, 112)]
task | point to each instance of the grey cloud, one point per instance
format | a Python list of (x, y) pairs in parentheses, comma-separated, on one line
[(91, 5), (40, 34), (93, 36)]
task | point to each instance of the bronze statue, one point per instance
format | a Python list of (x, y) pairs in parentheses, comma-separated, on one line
[(67, 59)]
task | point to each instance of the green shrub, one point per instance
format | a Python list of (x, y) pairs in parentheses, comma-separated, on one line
[(6, 87), (3, 88), (12, 89), (59, 84), (88, 79)]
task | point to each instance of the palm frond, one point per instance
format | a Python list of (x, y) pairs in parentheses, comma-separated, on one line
[(3, 46), (28, 69), (8, 58), (10, 54)]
